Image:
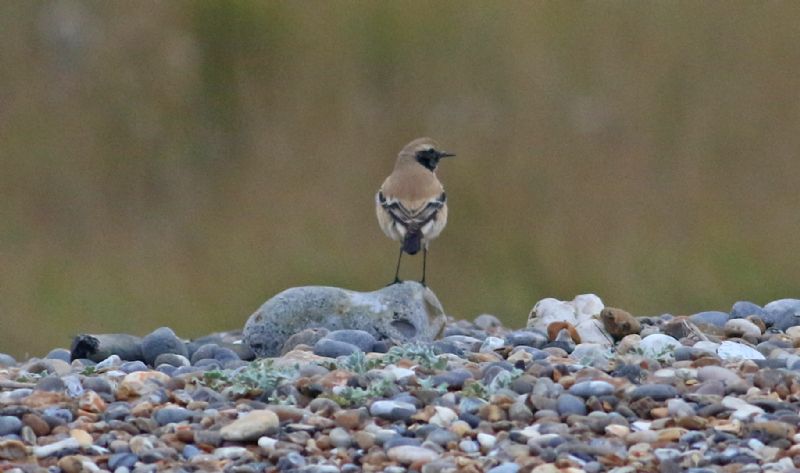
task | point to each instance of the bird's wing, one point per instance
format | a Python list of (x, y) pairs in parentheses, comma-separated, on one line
[(412, 218)]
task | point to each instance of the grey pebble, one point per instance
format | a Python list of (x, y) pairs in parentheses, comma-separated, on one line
[(568, 404), (392, 410), (742, 309), (169, 415), (59, 354), (162, 340), (586, 389), (97, 384), (453, 378), (7, 360), (51, 384), (9, 425), (340, 437), (73, 385), (133, 366), (171, 359), (487, 321), (333, 348), (400, 441), (122, 460), (469, 446), (65, 415), (117, 411), (526, 338), (190, 451), (504, 468), (212, 351), (463, 342), (657, 392), (361, 339), (711, 317), (783, 313), (520, 412), (441, 436)]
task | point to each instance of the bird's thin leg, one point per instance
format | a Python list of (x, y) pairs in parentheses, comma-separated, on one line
[(424, 260), (397, 271)]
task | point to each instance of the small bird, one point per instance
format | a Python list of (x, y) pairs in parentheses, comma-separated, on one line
[(411, 204)]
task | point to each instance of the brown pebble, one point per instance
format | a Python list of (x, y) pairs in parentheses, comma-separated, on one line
[(351, 418), (365, 440), (37, 424), (492, 413), (692, 422), (288, 413), (185, 435), (672, 434), (771, 430), (12, 450), (659, 412), (72, 463), (619, 323), (556, 327)]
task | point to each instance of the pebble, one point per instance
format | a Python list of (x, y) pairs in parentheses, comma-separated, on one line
[(162, 340), (684, 394), (408, 454), (741, 327), (392, 410), (569, 404), (122, 460), (334, 348), (714, 318), (657, 392), (9, 425), (505, 468), (251, 426), (586, 389), (743, 309), (729, 350), (169, 415), (658, 345)]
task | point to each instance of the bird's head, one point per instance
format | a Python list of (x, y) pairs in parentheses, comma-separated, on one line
[(424, 151)]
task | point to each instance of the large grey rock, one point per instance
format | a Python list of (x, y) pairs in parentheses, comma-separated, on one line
[(400, 313)]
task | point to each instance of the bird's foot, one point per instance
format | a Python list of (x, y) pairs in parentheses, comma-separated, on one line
[(396, 281), (423, 283)]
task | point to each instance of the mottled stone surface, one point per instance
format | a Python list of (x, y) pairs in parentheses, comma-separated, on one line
[(400, 313)]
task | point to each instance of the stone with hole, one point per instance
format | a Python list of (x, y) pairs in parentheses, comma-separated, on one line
[(398, 313)]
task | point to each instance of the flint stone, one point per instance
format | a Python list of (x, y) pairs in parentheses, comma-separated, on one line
[(59, 354), (334, 348), (711, 317), (7, 360), (737, 327), (592, 354), (657, 392), (99, 347), (742, 309), (361, 339), (658, 345), (782, 314), (162, 340), (401, 313), (729, 350), (550, 310), (586, 389)]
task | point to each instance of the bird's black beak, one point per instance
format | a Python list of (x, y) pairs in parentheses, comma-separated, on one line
[(445, 154)]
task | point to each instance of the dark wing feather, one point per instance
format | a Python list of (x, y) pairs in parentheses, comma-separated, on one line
[(408, 218)]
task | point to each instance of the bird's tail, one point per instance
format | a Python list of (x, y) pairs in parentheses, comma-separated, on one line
[(412, 241)]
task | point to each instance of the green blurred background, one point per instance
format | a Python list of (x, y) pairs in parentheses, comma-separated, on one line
[(177, 163)]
